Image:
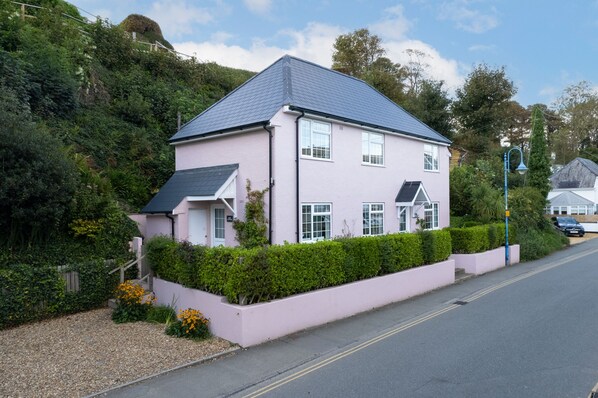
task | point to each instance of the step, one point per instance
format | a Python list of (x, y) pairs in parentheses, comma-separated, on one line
[(461, 275)]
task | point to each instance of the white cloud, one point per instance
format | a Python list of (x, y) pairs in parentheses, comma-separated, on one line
[(467, 18), (177, 17), (394, 25), (314, 43), (221, 37), (258, 6)]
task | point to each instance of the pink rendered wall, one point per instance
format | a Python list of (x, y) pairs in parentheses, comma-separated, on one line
[(158, 225), (346, 183), (249, 150)]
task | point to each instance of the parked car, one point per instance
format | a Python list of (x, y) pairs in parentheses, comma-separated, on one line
[(569, 226)]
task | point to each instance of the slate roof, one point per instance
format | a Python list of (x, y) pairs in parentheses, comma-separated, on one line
[(304, 86), (205, 181), (570, 199), (409, 190), (593, 167), (578, 173)]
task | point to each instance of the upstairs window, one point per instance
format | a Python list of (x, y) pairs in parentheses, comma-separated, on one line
[(315, 139), (372, 148), (430, 157)]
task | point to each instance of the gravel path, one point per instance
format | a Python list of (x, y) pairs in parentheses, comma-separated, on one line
[(84, 353)]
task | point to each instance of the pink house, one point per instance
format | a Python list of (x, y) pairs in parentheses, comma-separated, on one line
[(338, 157)]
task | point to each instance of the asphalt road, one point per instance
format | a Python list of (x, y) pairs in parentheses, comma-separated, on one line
[(526, 331)]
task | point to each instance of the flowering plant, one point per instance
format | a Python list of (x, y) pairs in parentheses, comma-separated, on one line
[(191, 324), (132, 303)]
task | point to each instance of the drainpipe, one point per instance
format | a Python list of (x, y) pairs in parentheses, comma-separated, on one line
[(297, 149), (171, 218), (271, 183)]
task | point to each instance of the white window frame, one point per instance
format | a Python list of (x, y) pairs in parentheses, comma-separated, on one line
[(313, 221), (369, 141), (403, 216), (580, 210), (310, 131), (431, 214), (369, 212), (559, 210), (430, 157)]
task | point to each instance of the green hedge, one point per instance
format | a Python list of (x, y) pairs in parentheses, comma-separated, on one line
[(29, 293), (261, 274), (478, 239)]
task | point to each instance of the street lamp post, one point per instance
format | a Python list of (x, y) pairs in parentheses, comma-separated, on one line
[(521, 169)]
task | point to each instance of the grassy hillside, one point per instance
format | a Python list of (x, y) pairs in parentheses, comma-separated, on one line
[(101, 112)]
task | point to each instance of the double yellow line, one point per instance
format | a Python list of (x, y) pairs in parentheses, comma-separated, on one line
[(408, 325)]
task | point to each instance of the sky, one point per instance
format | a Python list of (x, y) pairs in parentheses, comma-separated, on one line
[(544, 45)]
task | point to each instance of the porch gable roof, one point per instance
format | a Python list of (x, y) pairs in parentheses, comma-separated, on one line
[(412, 192), (200, 182)]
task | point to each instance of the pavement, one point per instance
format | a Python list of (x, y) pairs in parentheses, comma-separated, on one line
[(241, 372)]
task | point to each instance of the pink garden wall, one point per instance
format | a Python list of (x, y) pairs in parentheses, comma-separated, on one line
[(254, 324)]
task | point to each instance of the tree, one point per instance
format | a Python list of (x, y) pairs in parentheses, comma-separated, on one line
[(38, 181), (432, 106), (539, 162), (578, 109), (517, 131), (481, 109), (360, 54), (414, 71), (355, 52)]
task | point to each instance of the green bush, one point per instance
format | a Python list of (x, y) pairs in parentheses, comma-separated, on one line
[(95, 286), (265, 273), (442, 247), (470, 239), (162, 256), (301, 268), (29, 293), (400, 251), (363, 258), (536, 244)]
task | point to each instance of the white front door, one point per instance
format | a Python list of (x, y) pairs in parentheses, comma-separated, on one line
[(198, 226), (218, 220)]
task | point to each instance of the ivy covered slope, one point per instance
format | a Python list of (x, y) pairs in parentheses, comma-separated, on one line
[(85, 115)]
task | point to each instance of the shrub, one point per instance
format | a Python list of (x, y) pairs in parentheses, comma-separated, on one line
[(132, 304), (470, 239), (400, 251), (363, 258), (442, 246), (536, 244), (301, 268), (29, 293), (161, 255), (190, 324)]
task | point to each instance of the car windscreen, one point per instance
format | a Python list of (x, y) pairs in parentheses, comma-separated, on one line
[(566, 220)]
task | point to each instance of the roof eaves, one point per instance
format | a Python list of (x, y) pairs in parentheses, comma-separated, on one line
[(358, 122), (238, 129)]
